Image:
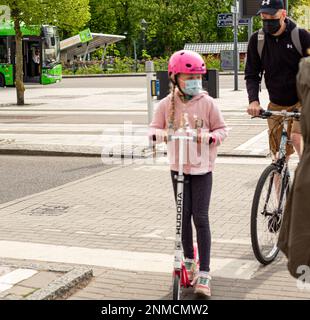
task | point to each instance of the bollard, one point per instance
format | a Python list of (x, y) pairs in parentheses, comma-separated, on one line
[(210, 83), (164, 81), (149, 69)]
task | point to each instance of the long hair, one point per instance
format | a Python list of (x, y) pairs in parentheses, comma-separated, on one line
[(173, 125)]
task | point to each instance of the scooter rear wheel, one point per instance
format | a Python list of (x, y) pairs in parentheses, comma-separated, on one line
[(176, 287)]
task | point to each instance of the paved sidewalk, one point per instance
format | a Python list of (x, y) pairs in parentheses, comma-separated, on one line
[(121, 223)]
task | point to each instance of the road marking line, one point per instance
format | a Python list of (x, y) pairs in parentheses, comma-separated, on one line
[(10, 279), (260, 139), (52, 230), (118, 259), (83, 232), (154, 234)]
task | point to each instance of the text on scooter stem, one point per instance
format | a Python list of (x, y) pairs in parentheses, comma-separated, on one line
[(179, 213)]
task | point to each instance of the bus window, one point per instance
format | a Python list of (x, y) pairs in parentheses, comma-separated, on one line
[(3, 51)]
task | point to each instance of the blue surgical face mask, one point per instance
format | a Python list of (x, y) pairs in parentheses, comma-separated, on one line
[(192, 87)]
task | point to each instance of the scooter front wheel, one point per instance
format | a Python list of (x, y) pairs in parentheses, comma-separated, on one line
[(176, 287)]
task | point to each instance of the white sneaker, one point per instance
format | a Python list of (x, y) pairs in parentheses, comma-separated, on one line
[(202, 283)]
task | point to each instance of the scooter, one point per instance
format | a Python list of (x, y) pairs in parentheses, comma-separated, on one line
[(180, 276)]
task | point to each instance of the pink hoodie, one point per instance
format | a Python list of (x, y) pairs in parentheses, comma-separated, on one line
[(199, 159)]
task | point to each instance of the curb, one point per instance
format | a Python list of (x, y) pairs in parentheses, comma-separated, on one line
[(95, 154), (113, 75), (53, 153), (48, 153), (73, 278), (61, 287)]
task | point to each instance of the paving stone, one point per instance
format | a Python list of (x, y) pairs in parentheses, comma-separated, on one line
[(40, 280), (20, 291)]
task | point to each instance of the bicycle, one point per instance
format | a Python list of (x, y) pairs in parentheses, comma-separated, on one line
[(270, 197)]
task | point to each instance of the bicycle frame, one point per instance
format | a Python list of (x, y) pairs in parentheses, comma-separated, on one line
[(281, 162)]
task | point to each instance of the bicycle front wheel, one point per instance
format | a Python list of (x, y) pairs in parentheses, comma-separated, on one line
[(267, 214)]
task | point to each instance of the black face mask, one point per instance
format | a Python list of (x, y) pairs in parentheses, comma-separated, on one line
[(271, 26)]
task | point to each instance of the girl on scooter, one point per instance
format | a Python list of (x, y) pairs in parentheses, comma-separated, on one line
[(188, 100)]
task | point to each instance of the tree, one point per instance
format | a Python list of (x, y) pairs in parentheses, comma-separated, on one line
[(171, 23), (71, 14), (295, 6)]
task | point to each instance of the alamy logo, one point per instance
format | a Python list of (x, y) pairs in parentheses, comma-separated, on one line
[(5, 13), (265, 2), (303, 281)]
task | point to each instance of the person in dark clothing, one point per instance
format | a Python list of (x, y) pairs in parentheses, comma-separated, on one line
[(279, 62), (294, 237)]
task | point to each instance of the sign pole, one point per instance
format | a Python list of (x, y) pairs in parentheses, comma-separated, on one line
[(250, 28), (236, 53), (149, 68)]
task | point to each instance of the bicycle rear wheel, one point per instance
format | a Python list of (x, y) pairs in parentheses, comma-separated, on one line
[(267, 213)]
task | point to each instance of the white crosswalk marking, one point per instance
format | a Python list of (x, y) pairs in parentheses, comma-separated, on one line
[(8, 280), (119, 259), (256, 144)]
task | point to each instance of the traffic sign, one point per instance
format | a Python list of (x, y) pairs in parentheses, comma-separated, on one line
[(85, 36), (227, 20)]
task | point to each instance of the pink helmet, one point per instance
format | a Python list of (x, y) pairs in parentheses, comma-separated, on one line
[(186, 61)]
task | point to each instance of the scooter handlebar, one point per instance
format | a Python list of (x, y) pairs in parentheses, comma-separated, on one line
[(193, 138)]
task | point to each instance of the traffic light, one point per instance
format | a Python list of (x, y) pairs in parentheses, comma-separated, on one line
[(249, 8)]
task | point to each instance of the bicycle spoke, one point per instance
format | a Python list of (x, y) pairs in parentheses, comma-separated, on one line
[(268, 221)]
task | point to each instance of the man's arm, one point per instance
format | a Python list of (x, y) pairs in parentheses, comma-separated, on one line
[(253, 76)]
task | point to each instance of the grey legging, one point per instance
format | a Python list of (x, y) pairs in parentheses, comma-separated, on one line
[(197, 194)]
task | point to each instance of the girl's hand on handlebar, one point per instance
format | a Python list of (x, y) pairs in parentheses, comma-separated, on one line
[(205, 138), (159, 138)]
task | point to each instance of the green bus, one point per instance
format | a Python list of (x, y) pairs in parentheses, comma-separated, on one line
[(41, 54)]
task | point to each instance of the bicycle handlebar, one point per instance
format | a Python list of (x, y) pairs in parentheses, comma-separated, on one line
[(285, 114)]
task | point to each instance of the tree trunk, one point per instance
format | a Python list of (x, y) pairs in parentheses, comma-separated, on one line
[(19, 78)]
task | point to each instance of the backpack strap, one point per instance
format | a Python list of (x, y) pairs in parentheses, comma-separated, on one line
[(260, 47), (260, 42), (296, 40)]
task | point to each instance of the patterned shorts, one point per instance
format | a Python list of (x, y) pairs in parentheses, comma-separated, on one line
[(275, 128)]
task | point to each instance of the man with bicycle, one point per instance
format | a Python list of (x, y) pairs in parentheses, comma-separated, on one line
[(276, 52)]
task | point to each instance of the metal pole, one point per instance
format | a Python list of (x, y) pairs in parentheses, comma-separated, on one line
[(103, 65), (143, 38), (149, 68), (86, 53), (135, 53), (250, 28), (235, 15)]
